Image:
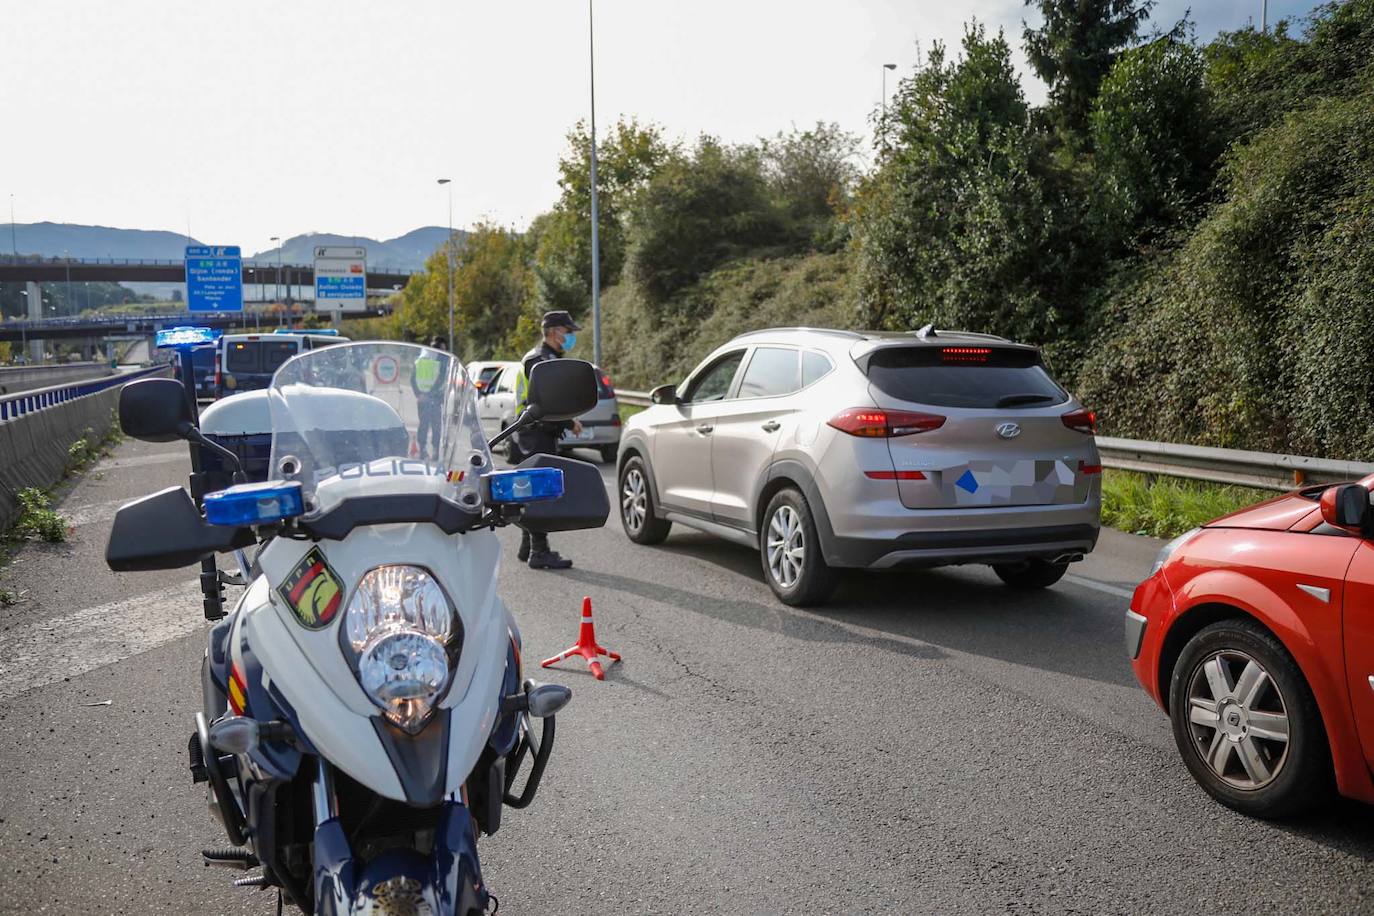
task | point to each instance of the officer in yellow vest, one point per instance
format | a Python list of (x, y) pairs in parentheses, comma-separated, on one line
[(426, 382), (542, 438)]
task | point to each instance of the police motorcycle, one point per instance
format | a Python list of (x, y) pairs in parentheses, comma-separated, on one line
[(365, 715)]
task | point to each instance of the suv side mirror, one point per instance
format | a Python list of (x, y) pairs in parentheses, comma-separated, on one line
[(1346, 506), (561, 389), (154, 410), (663, 394)]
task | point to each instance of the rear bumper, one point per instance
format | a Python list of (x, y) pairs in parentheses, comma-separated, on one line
[(944, 548)]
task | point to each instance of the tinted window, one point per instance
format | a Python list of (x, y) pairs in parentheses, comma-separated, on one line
[(276, 352), (247, 356), (815, 366), (714, 383), (964, 376), (486, 374), (772, 371), (241, 356)]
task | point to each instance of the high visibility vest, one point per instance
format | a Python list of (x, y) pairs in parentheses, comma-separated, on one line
[(426, 373), (522, 387)]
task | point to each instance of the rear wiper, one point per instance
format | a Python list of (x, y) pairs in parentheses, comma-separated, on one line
[(1016, 400)]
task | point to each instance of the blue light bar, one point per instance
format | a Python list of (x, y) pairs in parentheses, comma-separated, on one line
[(323, 332), (185, 338), (524, 485), (254, 504)]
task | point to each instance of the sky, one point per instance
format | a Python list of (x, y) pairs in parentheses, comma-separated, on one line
[(238, 121)]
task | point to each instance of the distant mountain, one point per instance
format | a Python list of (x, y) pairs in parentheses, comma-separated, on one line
[(52, 239), (407, 252)]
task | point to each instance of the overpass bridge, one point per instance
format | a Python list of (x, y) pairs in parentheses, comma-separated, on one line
[(24, 269), (142, 325)]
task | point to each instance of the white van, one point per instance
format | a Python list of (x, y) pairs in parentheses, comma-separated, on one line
[(246, 362)]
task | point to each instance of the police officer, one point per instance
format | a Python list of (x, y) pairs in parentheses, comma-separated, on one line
[(542, 438), (429, 394)]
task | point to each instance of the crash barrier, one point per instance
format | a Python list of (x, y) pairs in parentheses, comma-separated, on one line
[(37, 428), (14, 379), (1261, 470)]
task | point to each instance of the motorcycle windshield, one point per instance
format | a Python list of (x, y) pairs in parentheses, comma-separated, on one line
[(351, 416)]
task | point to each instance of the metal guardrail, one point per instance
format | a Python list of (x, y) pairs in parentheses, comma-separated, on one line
[(1226, 465), (13, 406), (1237, 467)]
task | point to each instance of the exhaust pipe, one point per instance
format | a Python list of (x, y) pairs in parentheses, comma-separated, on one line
[(1066, 558)]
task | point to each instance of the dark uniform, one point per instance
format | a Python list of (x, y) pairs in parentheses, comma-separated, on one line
[(542, 439)]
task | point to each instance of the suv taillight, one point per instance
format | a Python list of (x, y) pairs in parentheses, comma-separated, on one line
[(1081, 421), (218, 380), (606, 384), (877, 423)]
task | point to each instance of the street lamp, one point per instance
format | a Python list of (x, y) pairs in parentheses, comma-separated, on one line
[(449, 250), (596, 247), (276, 287), (886, 67)]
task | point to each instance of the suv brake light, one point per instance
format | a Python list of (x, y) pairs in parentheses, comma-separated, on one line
[(218, 379), (1081, 421), (877, 423)]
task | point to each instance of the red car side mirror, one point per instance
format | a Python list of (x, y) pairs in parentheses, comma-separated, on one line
[(1346, 506)]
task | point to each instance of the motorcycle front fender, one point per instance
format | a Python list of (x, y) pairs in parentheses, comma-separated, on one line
[(449, 882)]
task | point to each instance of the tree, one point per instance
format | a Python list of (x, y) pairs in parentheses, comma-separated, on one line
[(811, 175), (1075, 47), (491, 285), (697, 212), (627, 157), (1154, 143), (965, 223)]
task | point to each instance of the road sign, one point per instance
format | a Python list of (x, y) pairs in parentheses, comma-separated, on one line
[(340, 279), (385, 370), (214, 278)]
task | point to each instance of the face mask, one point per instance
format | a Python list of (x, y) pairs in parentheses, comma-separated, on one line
[(569, 341)]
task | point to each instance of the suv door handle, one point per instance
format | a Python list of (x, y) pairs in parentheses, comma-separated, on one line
[(705, 429), (772, 426)]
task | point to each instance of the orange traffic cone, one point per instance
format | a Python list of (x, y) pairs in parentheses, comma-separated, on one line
[(586, 646), (414, 447)]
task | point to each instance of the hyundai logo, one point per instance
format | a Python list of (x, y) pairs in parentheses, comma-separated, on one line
[(1008, 430)]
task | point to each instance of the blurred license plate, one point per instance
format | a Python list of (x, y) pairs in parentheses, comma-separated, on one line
[(584, 436)]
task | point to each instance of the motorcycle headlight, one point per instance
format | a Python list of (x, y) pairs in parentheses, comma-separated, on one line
[(404, 636)]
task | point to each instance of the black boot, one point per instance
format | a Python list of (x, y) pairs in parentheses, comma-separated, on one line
[(543, 557), (548, 559), (523, 554)]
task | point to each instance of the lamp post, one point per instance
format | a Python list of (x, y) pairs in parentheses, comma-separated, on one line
[(596, 245), (886, 67), (14, 239), (449, 251), (66, 255), (276, 287)]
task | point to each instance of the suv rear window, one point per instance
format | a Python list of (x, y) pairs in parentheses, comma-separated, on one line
[(964, 376), (246, 356)]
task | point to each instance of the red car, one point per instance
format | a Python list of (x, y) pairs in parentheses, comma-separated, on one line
[(1255, 633)]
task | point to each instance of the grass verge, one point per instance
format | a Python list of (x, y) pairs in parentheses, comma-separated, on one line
[(1165, 507)]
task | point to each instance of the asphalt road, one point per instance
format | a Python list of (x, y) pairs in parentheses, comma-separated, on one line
[(927, 743)]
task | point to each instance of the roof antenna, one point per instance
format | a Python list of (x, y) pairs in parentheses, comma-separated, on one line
[(927, 331)]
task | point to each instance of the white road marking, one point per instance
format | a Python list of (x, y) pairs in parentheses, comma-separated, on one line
[(1119, 592), (44, 652)]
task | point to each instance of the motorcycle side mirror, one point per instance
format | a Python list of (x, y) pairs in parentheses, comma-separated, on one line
[(1347, 506), (154, 410), (663, 394), (561, 389)]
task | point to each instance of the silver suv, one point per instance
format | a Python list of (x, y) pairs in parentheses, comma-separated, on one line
[(828, 449)]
